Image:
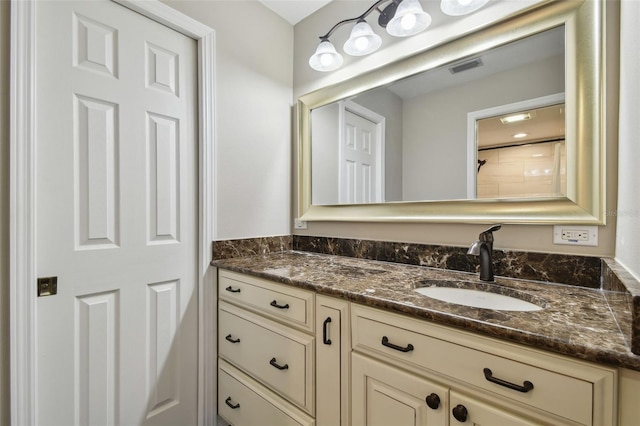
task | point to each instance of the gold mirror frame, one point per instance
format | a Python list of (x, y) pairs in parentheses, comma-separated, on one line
[(584, 91)]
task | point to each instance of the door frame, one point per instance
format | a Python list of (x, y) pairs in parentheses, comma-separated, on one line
[(22, 204), (474, 116)]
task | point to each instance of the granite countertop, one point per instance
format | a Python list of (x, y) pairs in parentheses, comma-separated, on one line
[(575, 321)]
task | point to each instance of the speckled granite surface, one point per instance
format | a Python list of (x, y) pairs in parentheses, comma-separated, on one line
[(226, 249), (582, 271), (575, 321), (626, 295)]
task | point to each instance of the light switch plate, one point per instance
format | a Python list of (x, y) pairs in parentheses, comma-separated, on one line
[(575, 235), (299, 224)]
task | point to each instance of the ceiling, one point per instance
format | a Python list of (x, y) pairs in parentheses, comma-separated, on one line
[(294, 11)]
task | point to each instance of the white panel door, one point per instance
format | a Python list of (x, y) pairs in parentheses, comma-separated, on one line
[(116, 217), (360, 158)]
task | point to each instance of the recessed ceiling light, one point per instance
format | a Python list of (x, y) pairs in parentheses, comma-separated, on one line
[(515, 117), (520, 135)]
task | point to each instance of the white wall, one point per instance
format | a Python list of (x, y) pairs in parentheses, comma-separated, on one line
[(520, 237), (254, 50), (628, 211), (324, 175)]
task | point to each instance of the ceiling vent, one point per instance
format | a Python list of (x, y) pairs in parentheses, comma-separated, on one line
[(467, 65)]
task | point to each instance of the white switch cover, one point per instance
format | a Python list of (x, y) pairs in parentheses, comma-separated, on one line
[(575, 235), (299, 224)]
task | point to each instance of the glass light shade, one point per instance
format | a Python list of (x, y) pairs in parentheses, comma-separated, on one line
[(362, 40), (409, 19), (461, 7), (326, 58)]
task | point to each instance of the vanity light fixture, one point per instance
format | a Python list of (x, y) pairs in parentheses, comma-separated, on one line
[(362, 40), (461, 7), (401, 18), (409, 19)]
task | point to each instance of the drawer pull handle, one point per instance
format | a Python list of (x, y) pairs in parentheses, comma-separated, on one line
[(275, 305), (325, 331), (232, 290), (526, 386), (276, 365), (385, 342), (433, 401), (231, 404), (460, 413), (231, 339)]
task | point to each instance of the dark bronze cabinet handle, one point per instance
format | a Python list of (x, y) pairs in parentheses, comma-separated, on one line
[(325, 331), (385, 342), (433, 401), (275, 305), (526, 386), (460, 413), (231, 339), (232, 290), (230, 404), (276, 365)]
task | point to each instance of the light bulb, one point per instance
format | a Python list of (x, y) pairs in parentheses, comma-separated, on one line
[(362, 43), (461, 7), (326, 59), (408, 21), (362, 40)]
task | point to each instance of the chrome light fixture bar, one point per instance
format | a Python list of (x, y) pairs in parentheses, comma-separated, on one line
[(401, 18)]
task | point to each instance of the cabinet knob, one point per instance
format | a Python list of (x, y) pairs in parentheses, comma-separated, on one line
[(460, 413), (433, 401)]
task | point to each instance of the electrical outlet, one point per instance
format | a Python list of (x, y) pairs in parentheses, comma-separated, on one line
[(575, 235), (299, 224)]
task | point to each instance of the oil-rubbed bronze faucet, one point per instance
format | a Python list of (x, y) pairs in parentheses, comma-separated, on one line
[(484, 248)]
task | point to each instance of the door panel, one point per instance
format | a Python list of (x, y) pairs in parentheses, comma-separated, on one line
[(360, 171), (116, 217), (383, 395)]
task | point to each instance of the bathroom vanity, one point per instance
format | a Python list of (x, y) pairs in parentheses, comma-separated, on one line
[(319, 339)]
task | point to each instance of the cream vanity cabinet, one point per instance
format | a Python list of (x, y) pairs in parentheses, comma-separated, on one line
[(406, 372), (266, 347), (289, 356)]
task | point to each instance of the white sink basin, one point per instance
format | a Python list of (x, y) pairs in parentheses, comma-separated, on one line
[(478, 299)]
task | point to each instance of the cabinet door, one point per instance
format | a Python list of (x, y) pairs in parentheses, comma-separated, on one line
[(470, 411), (333, 348), (383, 395)]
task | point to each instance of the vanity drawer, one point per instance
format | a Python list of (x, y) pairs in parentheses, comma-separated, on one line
[(275, 355), (243, 401), (280, 302), (569, 393)]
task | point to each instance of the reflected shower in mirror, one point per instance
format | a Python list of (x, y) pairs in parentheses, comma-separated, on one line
[(408, 141), (522, 154)]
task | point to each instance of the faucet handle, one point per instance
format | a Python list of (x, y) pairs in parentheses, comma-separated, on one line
[(488, 234), (493, 228)]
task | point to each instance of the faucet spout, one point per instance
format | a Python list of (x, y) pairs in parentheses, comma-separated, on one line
[(484, 248), (486, 263)]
